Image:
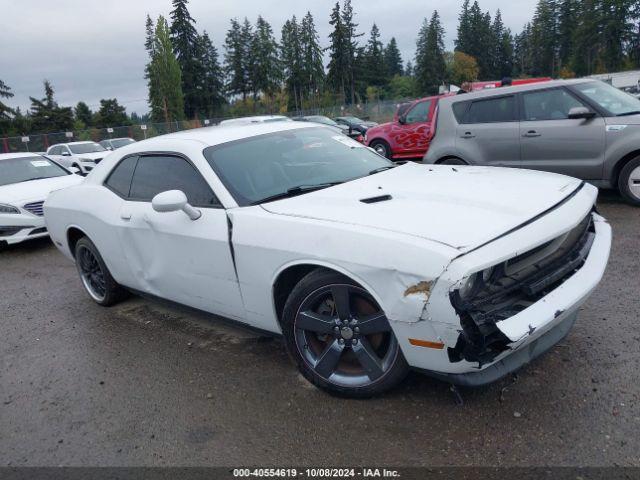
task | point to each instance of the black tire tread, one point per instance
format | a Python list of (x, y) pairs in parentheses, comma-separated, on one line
[(623, 181), (312, 281)]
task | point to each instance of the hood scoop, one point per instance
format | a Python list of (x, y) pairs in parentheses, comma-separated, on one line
[(381, 198)]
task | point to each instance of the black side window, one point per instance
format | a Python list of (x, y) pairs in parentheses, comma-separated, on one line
[(419, 113), (494, 110), (459, 109), (158, 173), (120, 178)]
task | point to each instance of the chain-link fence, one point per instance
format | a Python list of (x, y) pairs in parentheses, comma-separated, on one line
[(375, 111)]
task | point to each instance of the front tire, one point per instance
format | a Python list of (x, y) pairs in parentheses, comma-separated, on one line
[(95, 275), (382, 148), (339, 337), (629, 182)]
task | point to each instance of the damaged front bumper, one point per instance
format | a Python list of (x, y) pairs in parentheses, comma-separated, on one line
[(521, 335)]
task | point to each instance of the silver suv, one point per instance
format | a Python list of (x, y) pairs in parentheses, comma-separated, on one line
[(582, 128)]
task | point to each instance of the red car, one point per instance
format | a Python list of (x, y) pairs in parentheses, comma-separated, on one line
[(409, 134)]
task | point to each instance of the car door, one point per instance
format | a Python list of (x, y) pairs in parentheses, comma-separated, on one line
[(411, 137), (489, 132), (551, 141), (169, 255)]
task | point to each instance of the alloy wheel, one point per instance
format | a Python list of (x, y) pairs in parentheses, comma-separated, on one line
[(344, 336), (91, 274)]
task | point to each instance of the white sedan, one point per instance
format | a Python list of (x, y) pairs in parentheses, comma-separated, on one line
[(366, 268), (25, 181), (80, 155)]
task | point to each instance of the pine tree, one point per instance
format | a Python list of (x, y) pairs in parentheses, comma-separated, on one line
[(265, 73), (83, 114), (291, 55), (376, 74), (111, 114), (212, 83), (166, 98), (47, 115), (184, 38), (393, 59), (567, 18), (475, 38), (235, 61), (408, 70), (430, 70), (503, 49), (544, 39), (312, 68), (587, 38), (339, 66), (350, 45), (5, 111)]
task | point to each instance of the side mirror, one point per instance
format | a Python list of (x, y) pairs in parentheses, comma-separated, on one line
[(75, 170), (174, 201), (581, 113), (402, 119), (65, 153)]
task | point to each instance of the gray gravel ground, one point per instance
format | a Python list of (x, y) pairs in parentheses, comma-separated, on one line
[(145, 384)]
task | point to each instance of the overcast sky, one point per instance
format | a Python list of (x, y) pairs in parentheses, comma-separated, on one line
[(93, 49)]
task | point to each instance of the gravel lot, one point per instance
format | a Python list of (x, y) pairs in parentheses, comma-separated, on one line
[(146, 384)]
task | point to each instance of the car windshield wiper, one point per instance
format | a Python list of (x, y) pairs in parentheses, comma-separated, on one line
[(297, 190), (382, 169), (634, 112)]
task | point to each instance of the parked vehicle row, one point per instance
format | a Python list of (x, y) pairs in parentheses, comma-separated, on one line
[(365, 267), (84, 156), (582, 128), (340, 127)]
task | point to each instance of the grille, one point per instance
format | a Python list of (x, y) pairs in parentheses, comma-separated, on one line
[(35, 208)]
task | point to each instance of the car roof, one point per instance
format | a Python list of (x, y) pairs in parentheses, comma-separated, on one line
[(254, 119), (494, 92), (8, 156), (218, 134)]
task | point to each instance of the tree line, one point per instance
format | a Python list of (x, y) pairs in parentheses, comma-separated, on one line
[(259, 71)]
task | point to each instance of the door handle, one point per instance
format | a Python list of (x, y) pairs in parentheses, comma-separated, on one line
[(125, 215), (467, 135), (531, 134)]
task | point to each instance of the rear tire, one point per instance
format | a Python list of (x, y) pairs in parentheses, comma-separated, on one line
[(95, 275), (381, 147), (339, 337), (629, 182)]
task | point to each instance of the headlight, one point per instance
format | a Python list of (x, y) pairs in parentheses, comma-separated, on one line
[(8, 209)]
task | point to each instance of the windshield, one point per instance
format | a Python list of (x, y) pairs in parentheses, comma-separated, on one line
[(321, 119), (16, 170), (121, 142), (87, 148), (610, 98), (353, 119), (256, 168)]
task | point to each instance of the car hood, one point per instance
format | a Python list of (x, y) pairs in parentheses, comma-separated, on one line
[(36, 190), (462, 207), (92, 155)]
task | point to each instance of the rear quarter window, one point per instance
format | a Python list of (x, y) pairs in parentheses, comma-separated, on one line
[(492, 110), (459, 110)]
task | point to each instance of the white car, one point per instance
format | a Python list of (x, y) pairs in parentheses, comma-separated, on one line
[(81, 155), (25, 181), (366, 268), (115, 143)]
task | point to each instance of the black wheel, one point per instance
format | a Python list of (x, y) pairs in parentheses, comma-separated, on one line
[(381, 147), (339, 337), (629, 181), (453, 161), (95, 275)]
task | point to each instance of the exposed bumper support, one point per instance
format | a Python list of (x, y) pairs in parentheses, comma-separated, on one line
[(512, 362)]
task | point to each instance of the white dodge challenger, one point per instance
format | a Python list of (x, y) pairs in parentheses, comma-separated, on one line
[(366, 268)]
